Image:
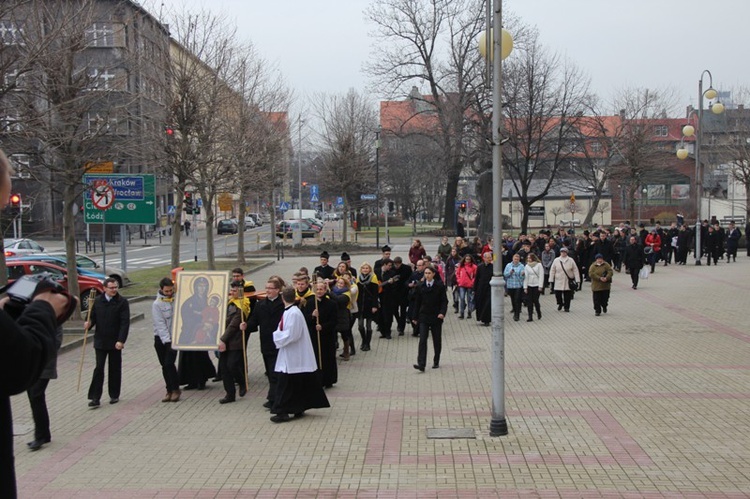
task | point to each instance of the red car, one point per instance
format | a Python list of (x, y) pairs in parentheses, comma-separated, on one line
[(17, 268)]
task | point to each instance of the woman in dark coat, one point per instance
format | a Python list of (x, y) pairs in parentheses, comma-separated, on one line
[(482, 290), (367, 303)]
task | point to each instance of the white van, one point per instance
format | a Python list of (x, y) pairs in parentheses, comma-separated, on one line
[(294, 214)]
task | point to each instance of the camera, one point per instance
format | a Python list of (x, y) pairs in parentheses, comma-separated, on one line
[(26, 287)]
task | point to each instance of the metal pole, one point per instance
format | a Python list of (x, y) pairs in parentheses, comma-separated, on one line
[(104, 241), (195, 235), (698, 177), (299, 167), (377, 186), (498, 424), (123, 249)]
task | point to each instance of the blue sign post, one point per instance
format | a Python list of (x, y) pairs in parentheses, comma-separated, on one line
[(339, 201), (314, 193)]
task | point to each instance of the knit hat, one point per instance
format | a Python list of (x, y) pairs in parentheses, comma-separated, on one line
[(345, 256), (598, 256), (385, 248), (324, 255), (564, 248)]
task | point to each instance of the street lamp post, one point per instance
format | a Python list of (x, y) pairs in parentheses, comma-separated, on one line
[(377, 185), (682, 153), (299, 166), (644, 191), (495, 49)]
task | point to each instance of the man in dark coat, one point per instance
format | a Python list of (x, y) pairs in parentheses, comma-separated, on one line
[(379, 263), (110, 316), (401, 274), (37, 399), (482, 290), (733, 239), (25, 344), (388, 297), (431, 306), (634, 260), (265, 317), (231, 360)]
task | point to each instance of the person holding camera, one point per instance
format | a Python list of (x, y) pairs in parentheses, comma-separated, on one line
[(110, 316), (26, 342)]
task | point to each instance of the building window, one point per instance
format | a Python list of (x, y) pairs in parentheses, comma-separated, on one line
[(106, 125), (10, 123), (11, 34), (105, 35), (661, 131), (596, 147), (21, 165), (108, 79)]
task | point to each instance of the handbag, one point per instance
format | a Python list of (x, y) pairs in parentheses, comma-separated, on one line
[(572, 283), (643, 273)]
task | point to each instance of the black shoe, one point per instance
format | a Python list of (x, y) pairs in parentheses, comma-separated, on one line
[(94, 404), (635, 287), (216, 379), (365, 348), (516, 317), (388, 337), (191, 387), (201, 386), (280, 418), (114, 400), (604, 309), (243, 391), (268, 404), (299, 415), (35, 445), (559, 307), (486, 324), (226, 400), (436, 366), (597, 314), (461, 316), (400, 333), (419, 368), (567, 310), (530, 319), (416, 335), (538, 315)]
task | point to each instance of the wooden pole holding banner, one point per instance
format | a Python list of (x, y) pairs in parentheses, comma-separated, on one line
[(244, 341), (92, 297), (317, 323)]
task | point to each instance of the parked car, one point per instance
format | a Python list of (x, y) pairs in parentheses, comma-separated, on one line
[(18, 247), (227, 227), (92, 267), (250, 222), (332, 217), (257, 218), (315, 223), (17, 268), (289, 226)]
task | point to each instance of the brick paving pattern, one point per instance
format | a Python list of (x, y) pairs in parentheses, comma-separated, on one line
[(651, 399)]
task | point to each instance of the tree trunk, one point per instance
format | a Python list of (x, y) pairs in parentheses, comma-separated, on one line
[(69, 196), (176, 235), (241, 222), (272, 212), (592, 210), (210, 218), (451, 191)]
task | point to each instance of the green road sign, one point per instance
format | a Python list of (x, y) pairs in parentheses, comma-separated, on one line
[(134, 203)]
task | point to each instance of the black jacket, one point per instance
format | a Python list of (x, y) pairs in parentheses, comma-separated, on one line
[(431, 302), (266, 316), (111, 320), (634, 257), (25, 345)]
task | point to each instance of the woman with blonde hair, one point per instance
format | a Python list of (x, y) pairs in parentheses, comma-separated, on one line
[(367, 302)]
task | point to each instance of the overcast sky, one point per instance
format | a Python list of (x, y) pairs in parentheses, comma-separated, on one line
[(321, 45)]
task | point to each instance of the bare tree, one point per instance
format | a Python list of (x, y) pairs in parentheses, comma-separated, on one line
[(433, 43), (75, 104), (256, 134), (557, 211), (347, 133), (546, 97), (601, 208), (203, 100)]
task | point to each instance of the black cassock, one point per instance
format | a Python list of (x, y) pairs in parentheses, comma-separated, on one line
[(483, 293), (326, 354)]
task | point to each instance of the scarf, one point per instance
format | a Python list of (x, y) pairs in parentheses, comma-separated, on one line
[(366, 279), (339, 291), (243, 304)]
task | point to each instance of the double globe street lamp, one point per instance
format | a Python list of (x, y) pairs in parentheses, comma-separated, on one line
[(682, 152)]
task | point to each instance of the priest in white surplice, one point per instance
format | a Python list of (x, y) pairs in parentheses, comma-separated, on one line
[(298, 387)]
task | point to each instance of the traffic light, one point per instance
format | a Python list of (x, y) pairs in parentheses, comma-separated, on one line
[(572, 198), (169, 131), (188, 203), (462, 207), (15, 204), (391, 206)]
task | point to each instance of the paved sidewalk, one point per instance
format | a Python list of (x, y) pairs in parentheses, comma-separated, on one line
[(649, 400)]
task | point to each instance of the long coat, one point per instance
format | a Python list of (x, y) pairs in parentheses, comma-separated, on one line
[(596, 272), (557, 275), (111, 318), (634, 257), (483, 292), (430, 302)]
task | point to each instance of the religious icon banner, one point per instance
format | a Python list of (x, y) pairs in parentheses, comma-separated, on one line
[(201, 300)]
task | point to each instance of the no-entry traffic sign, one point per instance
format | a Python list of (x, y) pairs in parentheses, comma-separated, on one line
[(102, 196)]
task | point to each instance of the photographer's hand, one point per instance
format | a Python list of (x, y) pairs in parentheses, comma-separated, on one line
[(58, 301)]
